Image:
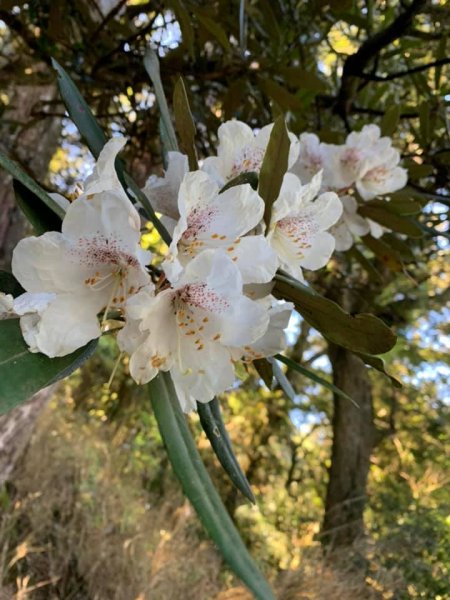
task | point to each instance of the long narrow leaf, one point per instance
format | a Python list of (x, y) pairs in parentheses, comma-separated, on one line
[(214, 428), (313, 376), (41, 217), (185, 123), (151, 64), (198, 487), (29, 183), (95, 139), (274, 166)]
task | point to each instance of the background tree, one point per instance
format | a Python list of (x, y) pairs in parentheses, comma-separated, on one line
[(330, 70)]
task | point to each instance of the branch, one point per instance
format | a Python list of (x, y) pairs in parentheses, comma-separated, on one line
[(436, 63), (355, 64)]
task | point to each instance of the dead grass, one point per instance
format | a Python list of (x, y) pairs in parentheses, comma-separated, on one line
[(81, 526)]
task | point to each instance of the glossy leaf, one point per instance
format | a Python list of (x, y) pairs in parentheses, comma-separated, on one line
[(23, 373), (250, 177), (282, 380), (363, 333), (389, 122), (388, 218), (388, 256), (313, 376), (185, 123), (378, 363), (274, 166), (19, 175), (41, 217), (9, 284), (214, 428), (198, 487), (151, 64), (95, 139)]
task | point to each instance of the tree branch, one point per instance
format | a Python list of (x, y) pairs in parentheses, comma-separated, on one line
[(355, 64), (436, 63)]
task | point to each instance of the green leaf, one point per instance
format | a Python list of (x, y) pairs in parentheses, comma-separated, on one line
[(366, 264), (79, 111), (388, 256), (9, 284), (185, 21), (284, 99), (383, 215), (282, 380), (378, 363), (29, 183), (363, 333), (313, 376), (250, 178), (264, 370), (151, 64), (299, 78), (274, 166), (41, 217), (213, 425), (198, 487), (185, 123), (95, 139), (214, 29), (389, 122), (23, 373)]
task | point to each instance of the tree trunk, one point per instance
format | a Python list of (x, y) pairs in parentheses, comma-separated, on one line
[(33, 145), (353, 435)]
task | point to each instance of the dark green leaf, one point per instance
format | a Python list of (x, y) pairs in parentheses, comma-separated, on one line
[(41, 217), (213, 425), (282, 380), (185, 21), (95, 139), (389, 122), (9, 284), (274, 166), (185, 123), (361, 333), (250, 178), (29, 183), (151, 64), (264, 370), (313, 376), (79, 111), (214, 29), (381, 214), (23, 373), (388, 256), (378, 363), (198, 487)]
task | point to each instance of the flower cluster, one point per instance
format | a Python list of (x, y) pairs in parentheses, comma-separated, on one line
[(363, 168), (210, 305)]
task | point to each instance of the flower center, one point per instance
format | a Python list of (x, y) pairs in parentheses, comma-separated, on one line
[(248, 159)]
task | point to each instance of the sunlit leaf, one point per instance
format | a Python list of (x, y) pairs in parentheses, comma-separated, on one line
[(185, 123)]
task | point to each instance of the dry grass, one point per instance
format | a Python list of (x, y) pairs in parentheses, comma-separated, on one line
[(81, 527)]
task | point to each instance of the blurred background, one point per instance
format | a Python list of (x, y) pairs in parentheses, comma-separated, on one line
[(352, 501)]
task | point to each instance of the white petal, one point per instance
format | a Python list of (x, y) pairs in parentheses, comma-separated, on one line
[(104, 177), (61, 201), (163, 191), (66, 324), (255, 259), (47, 264), (320, 251), (274, 340), (202, 374), (342, 235), (6, 306)]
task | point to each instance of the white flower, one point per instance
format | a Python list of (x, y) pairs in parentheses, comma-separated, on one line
[(350, 225), (163, 191), (298, 225), (189, 328), (6, 306), (241, 151), (212, 220), (95, 263), (370, 162), (273, 340)]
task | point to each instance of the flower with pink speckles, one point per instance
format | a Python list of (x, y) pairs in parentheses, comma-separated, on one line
[(213, 220), (299, 223), (241, 151), (94, 264), (192, 328)]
